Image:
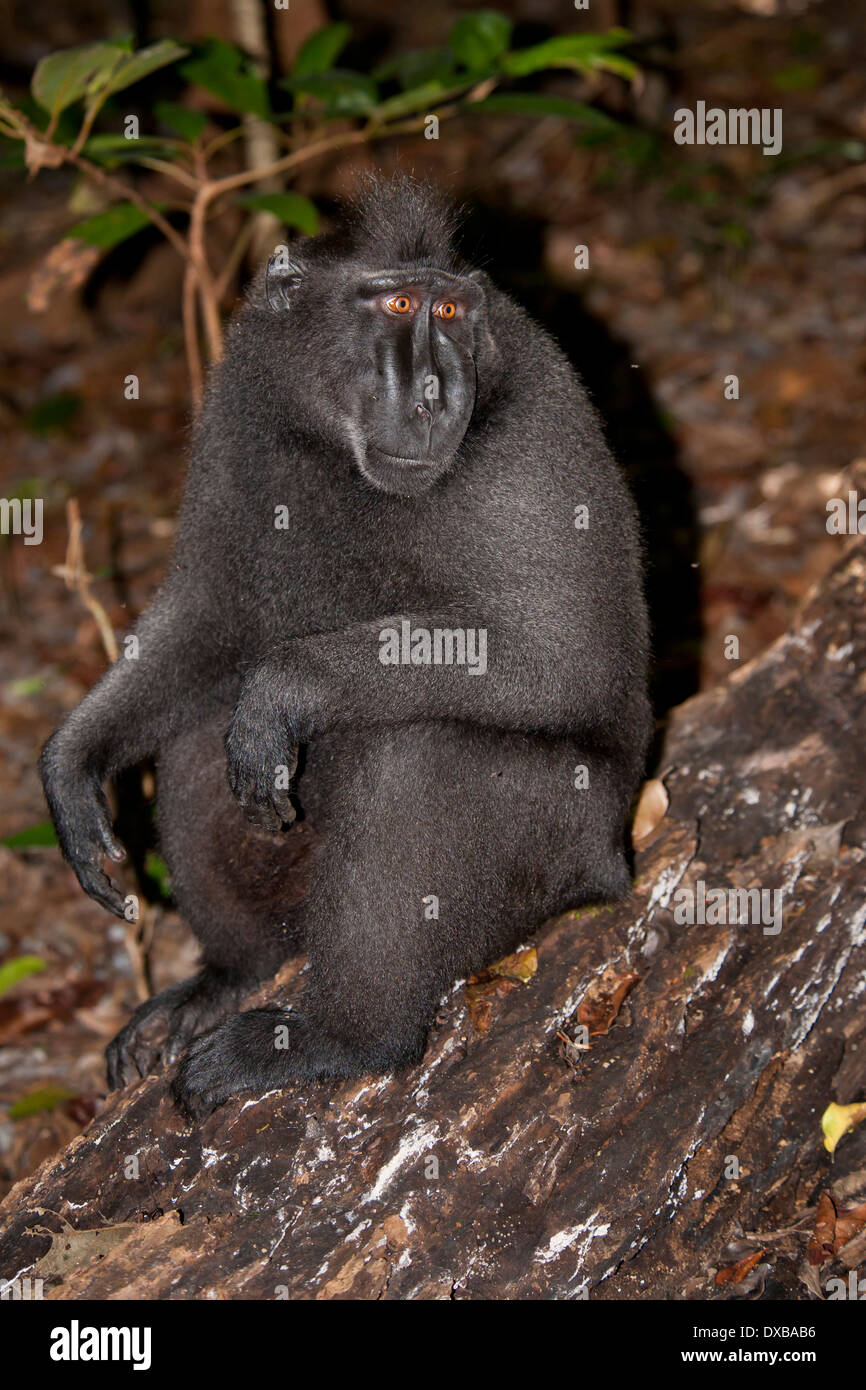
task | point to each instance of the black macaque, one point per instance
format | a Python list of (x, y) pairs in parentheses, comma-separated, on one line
[(384, 588)]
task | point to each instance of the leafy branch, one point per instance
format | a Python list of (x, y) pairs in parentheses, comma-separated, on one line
[(321, 108)]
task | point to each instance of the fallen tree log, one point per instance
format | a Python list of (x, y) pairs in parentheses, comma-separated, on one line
[(680, 1155)]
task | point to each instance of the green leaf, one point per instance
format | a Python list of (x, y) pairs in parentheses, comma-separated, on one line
[(53, 412), (291, 208), (110, 228), (341, 93), (34, 837), (799, 77), (27, 685), (422, 98), (478, 40), (65, 77), (224, 70), (182, 120), (35, 487), (46, 1098), (418, 66), (141, 64), (111, 150), (321, 50), (581, 52), (537, 104), (736, 234), (156, 867), (18, 968), (619, 65)]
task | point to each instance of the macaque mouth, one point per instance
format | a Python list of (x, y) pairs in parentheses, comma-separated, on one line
[(405, 462)]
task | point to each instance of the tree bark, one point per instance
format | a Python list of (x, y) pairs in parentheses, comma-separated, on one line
[(511, 1164)]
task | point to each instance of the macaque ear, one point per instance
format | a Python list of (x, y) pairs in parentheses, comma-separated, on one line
[(481, 279), (485, 285), (283, 275)]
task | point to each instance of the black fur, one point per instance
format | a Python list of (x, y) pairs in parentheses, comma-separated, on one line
[(415, 780)]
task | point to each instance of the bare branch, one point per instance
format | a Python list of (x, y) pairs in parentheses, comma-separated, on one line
[(75, 575)]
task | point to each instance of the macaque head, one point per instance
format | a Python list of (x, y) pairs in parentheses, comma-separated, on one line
[(387, 332)]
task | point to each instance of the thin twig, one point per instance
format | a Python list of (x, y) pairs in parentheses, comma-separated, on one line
[(138, 940), (220, 141), (171, 171), (75, 575), (190, 336), (87, 124), (208, 299)]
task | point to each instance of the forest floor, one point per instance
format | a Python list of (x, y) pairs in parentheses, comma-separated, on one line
[(702, 264)]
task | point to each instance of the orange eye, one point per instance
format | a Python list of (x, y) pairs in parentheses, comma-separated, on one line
[(400, 304), (445, 311)]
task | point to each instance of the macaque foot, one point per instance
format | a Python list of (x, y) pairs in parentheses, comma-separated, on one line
[(253, 1051), (266, 1049), (161, 1027)]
